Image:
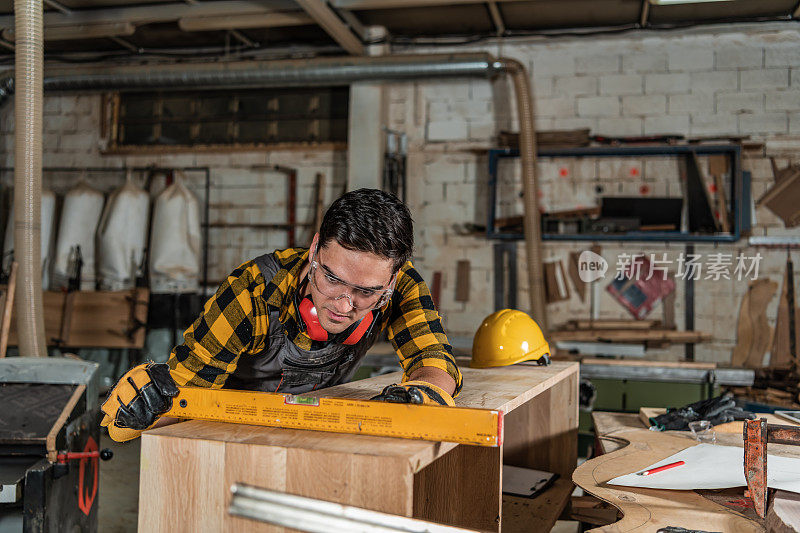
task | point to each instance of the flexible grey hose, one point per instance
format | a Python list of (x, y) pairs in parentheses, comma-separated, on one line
[(29, 59), (531, 220)]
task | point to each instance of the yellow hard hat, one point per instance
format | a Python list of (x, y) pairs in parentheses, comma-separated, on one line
[(508, 337)]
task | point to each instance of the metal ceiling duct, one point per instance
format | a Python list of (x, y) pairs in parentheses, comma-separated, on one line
[(29, 67), (291, 73), (344, 71)]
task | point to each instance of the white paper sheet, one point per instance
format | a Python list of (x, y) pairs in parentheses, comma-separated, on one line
[(709, 466)]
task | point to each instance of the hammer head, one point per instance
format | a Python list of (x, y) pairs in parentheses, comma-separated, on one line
[(755, 462)]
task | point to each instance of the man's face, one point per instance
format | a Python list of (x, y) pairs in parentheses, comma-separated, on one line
[(362, 269)]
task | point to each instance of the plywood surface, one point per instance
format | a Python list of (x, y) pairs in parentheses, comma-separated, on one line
[(200, 472), (524, 515), (543, 433), (502, 388), (651, 509), (418, 453), (629, 447)]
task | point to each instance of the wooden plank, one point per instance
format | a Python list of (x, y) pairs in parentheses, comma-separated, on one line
[(780, 353), (524, 515), (668, 308), (502, 388), (8, 303), (166, 471), (753, 334), (630, 336), (462, 489), (262, 466), (721, 204), (417, 452), (556, 282), (50, 440), (574, 275), (641, 363), (650, 509), (462, 281), (781, 199), (610, 324), (99, 319), (535, 439), (351, 479), (783, 515)]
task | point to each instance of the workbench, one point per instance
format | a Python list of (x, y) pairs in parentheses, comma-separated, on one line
[(627, 446), (187, 468)]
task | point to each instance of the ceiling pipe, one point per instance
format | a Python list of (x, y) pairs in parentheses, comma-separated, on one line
[(344, 71), (29, 67)]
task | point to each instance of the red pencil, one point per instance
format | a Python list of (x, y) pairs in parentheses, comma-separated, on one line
[(661, 468)]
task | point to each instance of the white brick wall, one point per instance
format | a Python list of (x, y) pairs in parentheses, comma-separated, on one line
[(704, 82), (598, 106), (699, 60), (672, 83), (770, 78), (654, 104), (709, 83), (621, 84)]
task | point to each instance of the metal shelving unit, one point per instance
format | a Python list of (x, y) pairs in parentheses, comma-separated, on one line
[(739, 193)]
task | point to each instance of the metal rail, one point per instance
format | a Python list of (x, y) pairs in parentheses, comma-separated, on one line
[(319, 516)]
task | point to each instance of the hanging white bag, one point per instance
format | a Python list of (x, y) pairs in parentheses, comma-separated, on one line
[(76, 236), (175, 242), (48, 217), (122, 237)]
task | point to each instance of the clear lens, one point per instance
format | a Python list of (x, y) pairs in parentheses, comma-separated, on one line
[(333, 287)]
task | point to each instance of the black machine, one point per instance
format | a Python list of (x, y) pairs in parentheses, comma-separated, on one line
[(49, 445)]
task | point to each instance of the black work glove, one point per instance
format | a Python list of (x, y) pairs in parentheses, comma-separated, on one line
[(417, 392), (716, 410), (139, 398)]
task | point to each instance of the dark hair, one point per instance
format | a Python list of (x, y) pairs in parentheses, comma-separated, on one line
[(370, 220)]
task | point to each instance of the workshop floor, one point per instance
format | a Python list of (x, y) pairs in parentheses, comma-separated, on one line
[(119, 487), (119, 490)]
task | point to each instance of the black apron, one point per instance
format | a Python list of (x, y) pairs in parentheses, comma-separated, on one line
[(284, 367)]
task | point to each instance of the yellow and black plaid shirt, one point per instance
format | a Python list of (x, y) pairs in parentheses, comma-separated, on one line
[(235, 323)]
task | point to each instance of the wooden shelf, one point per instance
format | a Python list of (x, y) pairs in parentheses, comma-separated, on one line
[(523, 515)]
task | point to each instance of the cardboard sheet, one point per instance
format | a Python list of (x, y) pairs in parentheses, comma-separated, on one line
[(709, 466)]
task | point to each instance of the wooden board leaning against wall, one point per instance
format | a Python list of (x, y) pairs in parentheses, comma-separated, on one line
[(93, 319)]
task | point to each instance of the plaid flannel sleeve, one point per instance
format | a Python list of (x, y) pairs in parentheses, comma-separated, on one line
[(213, 343), (415, 328)]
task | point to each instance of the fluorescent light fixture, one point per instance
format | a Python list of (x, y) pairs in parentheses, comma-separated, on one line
[(676, 2)]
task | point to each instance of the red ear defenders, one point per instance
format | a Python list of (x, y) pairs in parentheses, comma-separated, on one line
[(308, 313)]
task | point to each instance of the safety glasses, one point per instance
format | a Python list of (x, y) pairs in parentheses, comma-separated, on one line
[(360, 298)]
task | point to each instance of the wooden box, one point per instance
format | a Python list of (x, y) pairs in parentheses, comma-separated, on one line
[(187, 469)]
